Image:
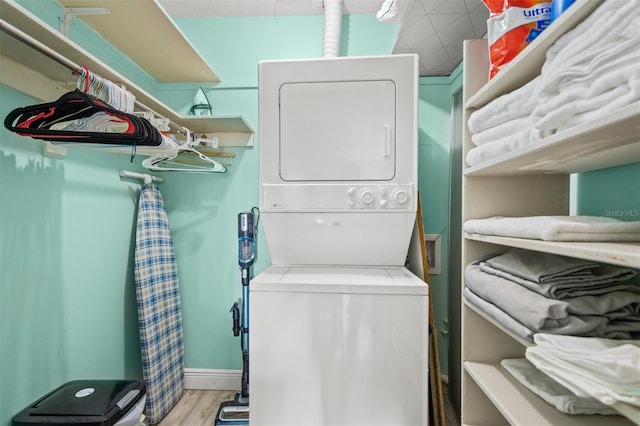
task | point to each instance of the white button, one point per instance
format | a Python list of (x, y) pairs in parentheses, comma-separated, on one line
[(383, 203), (351, 191)]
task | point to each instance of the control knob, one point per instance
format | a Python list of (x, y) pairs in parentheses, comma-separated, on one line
[(366, 196), (400, 196)]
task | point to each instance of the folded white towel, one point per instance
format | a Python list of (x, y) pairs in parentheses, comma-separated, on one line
[(557, 228), (566, 108), (505, 108), (606, 369), (595, 41), (498, 147), (589, 116), (553, 392), (502, 130), (602, 92), (591, 77)]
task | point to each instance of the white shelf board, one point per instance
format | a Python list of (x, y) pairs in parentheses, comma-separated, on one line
[(220, 123), (528, 63), (611, 140), (621, 254), (160, 48), (629, 411), (522, 407), (493, 321), (15, 17)]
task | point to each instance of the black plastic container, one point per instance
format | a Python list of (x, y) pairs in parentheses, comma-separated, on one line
[(84, 403)]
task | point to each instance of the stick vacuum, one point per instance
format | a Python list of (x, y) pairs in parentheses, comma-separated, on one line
[(236, 412)]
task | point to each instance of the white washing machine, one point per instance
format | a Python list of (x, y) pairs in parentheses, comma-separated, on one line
[(338, 327), (338, 346)]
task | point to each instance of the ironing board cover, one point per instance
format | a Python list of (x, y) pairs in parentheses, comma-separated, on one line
[(159, 313)]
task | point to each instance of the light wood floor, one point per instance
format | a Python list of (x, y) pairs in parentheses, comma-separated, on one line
[(199, 408)]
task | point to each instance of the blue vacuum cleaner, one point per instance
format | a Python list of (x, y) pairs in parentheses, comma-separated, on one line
[(236, 412)]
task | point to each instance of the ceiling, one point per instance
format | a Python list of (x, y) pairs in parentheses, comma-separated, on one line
[(433, 29)]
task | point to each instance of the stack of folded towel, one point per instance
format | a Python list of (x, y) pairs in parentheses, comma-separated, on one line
[(557, 228), (503, 125), (604, 369), (590, 71), (531, 292)]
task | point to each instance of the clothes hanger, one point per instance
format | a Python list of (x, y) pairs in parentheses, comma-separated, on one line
[(171, 163), (188, 165), (47, 121), (115, 95)]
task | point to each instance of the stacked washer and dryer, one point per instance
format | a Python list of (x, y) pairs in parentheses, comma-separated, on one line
[(338, 326)]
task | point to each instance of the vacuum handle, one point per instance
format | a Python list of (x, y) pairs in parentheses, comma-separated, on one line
[(235, 314)]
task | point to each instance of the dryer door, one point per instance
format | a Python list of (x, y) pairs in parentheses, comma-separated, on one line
[(338, 131)]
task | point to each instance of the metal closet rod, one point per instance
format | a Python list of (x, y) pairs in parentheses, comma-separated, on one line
[(145, 177), (57, 57)]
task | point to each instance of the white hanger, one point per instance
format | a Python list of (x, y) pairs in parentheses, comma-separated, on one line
[(115, 95), (173, 164), (170, 163)]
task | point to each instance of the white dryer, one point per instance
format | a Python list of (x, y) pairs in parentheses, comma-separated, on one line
[(338, 159)]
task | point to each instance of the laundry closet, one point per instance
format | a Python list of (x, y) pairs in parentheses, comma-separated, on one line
[(69, 217), (68, 213)]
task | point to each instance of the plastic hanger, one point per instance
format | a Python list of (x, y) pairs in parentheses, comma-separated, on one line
[(115, 95), (171, 163), (175, 164)]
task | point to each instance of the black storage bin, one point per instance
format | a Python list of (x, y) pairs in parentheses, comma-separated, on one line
[(84, 403)]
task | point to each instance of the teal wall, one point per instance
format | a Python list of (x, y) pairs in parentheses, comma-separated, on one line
[(67, 296), (434, 136), (211, 272), (235, 45), (613, 192)]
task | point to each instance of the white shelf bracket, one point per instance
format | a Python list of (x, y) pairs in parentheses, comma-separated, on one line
[(68, 13)]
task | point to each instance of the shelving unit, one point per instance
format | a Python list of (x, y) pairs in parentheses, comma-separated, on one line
[(25, 41), (531, 181), (528, 63)]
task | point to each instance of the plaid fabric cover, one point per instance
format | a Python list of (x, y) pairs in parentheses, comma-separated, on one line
[(159, 314)]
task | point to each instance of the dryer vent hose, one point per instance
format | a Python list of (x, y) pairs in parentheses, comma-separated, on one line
[(332, 28)]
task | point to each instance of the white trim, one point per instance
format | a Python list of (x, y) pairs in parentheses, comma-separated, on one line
[(212, 379)]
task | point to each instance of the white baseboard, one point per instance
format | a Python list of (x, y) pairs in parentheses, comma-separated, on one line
[(211, 379)]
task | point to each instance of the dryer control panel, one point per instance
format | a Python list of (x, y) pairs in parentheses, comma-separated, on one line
[(338, 197), (379, 197)]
